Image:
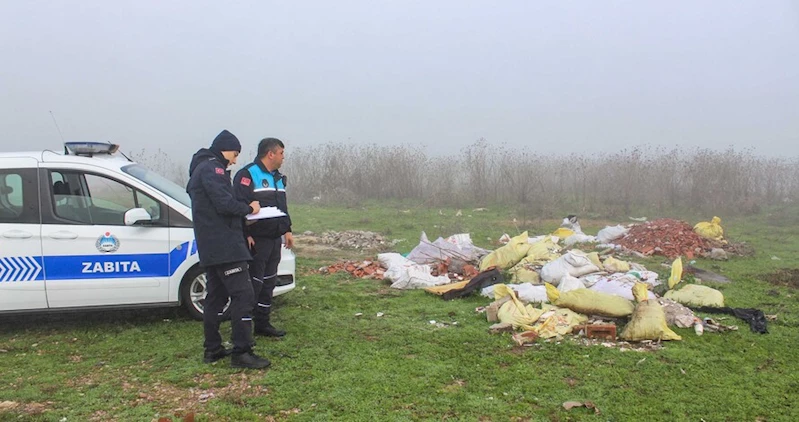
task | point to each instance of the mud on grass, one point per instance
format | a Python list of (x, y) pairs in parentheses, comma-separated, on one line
[(788, 277)]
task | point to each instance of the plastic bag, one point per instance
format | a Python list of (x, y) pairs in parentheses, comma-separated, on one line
[(611, 233), (648, 321), (590, 302), (696, 295), (563, 233), (574, 263), (710, 229), (508, 255)]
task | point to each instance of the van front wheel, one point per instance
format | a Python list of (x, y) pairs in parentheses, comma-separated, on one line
[(192, 294)]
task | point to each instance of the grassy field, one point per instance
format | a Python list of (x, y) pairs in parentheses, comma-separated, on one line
[(334, 365)]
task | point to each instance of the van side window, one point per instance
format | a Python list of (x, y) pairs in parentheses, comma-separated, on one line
[(86, 198), (18, 203)]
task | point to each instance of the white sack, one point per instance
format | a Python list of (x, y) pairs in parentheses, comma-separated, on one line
[(569, 283), (611, 233), (456, 247), (574, 263), (406, 274), (579, 238), (526, 292), (621, 286)]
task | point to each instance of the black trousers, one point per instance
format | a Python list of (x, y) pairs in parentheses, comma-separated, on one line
[(263, 270), (228, 281)]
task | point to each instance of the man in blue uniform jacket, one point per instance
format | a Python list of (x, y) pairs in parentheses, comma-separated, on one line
[(262, 181)]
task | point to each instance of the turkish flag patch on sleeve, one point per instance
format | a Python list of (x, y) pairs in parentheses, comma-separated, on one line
[(245, 181), (220, 170)]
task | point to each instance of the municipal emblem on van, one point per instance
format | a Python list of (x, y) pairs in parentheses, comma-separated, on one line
[(107, 243)]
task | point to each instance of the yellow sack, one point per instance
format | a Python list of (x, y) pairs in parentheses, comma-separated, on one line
[(556, 321), (614, 265), (710, 230), (501, 290), (540, 253), (521, 274), (508, 255), (563, 232), (696, 295), (590, 302), (594, 258), (514, 311), (440, 290), (648, 321), (676, 272)]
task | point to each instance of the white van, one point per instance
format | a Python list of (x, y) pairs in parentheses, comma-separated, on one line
[(90, 229)]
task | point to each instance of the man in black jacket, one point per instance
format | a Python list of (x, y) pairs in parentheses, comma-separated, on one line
[(217, 217), (262, 182)]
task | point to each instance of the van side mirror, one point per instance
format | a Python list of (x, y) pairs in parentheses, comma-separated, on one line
[(135, 216)]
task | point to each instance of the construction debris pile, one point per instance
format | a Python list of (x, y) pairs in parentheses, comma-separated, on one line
[(430, 263), (351, 239), (360, 269), (567, 282), (672, 238), (667, 237)]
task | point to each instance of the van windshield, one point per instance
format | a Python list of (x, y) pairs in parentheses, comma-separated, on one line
[(161, 183)]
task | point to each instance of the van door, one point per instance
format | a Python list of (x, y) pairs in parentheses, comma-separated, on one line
[(21, 276), (91, 257)]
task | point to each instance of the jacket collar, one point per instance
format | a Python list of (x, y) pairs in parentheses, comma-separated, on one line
[(275, 173)]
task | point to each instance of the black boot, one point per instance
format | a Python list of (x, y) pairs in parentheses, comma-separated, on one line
[(211, 357), (249, 360), (266, 329)]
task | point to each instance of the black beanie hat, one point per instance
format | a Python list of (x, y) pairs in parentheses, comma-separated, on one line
[(226, 141)]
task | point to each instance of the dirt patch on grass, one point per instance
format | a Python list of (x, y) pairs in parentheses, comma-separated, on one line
[(454, 386), (385, 292), (26, 409), (315, 250), (171, 399), (350, 240), (788, 277), (519, 350), (182, 400)]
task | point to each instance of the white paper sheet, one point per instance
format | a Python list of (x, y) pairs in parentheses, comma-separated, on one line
[(266, 212)]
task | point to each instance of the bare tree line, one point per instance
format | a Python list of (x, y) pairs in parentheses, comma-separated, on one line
[(174, 170), (651, 178)]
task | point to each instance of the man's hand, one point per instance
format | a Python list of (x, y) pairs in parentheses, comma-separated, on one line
[(289, 240), (250, 242), (256, 206)]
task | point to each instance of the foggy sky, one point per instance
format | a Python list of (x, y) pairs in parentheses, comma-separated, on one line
[(544, 76)]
